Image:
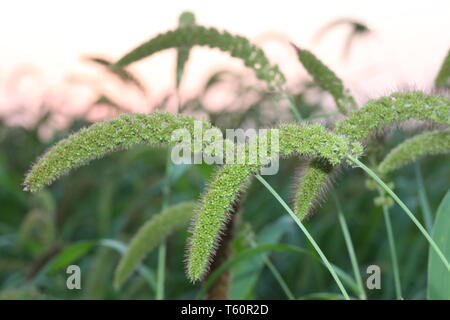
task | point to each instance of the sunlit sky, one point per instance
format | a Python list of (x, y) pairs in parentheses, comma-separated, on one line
[(410, 40)]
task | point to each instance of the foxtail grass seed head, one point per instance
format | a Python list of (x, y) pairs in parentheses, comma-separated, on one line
[(312, 184), (428, 143), (231, 180), (102, 138), (327, 80), (193, 35), (374, 115), (150, 235), (397, 107), (312, 141)]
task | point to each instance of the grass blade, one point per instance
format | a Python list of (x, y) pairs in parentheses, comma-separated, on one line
[(351, 250), (393, 252), (438, 280)]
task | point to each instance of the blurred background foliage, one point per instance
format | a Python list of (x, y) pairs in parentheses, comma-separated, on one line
[(88, 218)]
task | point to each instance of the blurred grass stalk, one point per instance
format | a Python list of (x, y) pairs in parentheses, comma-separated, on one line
[(351, 249), (393, 251), (162, 250)]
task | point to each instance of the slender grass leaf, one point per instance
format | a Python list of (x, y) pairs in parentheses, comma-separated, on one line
[(69, 255), (438, 276)]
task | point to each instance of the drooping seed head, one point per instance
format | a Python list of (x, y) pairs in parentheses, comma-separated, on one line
[(150, 235), (193, 35), (373, 116), (102, 138), (397, 107), (311, 185), (231, 180), (327, 80), (428, 143)]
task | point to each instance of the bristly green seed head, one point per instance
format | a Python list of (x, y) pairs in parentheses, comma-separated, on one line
[(231, 180), (315, 141), (375, 115), (193, 35), (150, 235), (443, 77), (38, 226), (428, 143), (313, 181), (212, 215), (102, 138), (397, 107), (326, 79)]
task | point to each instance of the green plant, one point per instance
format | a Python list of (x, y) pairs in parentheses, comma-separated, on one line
[(189, 35), (150, 235), (375, 116), (231, 180), (105, 137), (428, 143), (327, 80), (326, 149)]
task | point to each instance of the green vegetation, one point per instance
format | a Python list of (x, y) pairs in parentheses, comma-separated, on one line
[(110, 215)]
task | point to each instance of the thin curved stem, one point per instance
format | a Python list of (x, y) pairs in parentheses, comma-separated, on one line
[(276, 274), (162, 250), (393, 252), (433, 244), (279, 279), (350, 249), (292, 105), (307, 234)]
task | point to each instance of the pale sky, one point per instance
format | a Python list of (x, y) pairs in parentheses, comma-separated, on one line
[(410, 41)]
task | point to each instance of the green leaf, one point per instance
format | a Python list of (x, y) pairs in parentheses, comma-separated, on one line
[(69, 255), (438, 278)]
